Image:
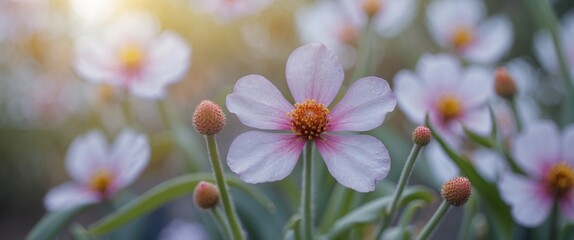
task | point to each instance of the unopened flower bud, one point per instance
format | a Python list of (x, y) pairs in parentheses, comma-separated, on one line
[(456, 191), (206, 195), (371, 7), (504, 85), (208, 118), (421, 135)]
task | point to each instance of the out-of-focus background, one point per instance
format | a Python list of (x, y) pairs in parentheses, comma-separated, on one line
[(44, 104)]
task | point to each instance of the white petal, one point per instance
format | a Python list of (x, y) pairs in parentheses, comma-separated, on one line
[(69, 195), (130, 156), (355, 161), (439, 72), (412, 97), (444, 17), (180, 229), (544, 49), (493, 40), (476, 86), (264, 157), (527, 198), (490, 164), (394, 16), (478, 120), (86, 154), (314, 72), (440, 164), (168, 60), (95, 62), (537, 148), (567, 143), (259, 104), (364, 106)]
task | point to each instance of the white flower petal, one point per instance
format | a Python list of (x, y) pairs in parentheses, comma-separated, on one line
[(490, 164), (259, 104), (528, 200), (440, 164), (69, 195), (364, 106), (86, 154), (314, 72), (168, 60), (264, 157), (130, 155), (537, 148), (476, 86), (412, 97), (355, 161), (394, 16), (493, 40)]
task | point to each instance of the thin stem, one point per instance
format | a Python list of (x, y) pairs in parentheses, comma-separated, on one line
[(403, 180), (470, 209), (220, 218), (436, 218), (554, 228), (517, 119), (307, 193), (546, 17), (364, 53), (223, 189), (128, 113)]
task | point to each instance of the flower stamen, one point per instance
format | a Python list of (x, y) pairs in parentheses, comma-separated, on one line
[(131, 57), (101, 181), (449, 107), (560, 178), (309, 119), (462, 37)]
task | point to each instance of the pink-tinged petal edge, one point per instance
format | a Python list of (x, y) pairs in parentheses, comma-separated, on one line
[(264, 157), (86, 154), (355, 161), (411, 96), (530, 204), (69, 195), (537, 147), (259, 104), (130, 156), (313, 71), (567, 143), (364, 106)]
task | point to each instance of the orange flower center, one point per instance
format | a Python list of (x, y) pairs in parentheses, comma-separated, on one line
[(309, 119), (462, 37), (131, 57), (449, 107), (348, 34), (101, 180), (560, 178)]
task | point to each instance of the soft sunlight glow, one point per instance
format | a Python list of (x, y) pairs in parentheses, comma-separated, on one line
[(93, 11)]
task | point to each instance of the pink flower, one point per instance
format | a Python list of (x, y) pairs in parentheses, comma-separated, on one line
[(459, 25), (547, 158), (544, 47), (451, 95), (338, 25), (314, 76), (229, 10), (135, 55), (99, 170)]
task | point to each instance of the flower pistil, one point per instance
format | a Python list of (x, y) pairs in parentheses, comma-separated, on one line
[(560, 178)]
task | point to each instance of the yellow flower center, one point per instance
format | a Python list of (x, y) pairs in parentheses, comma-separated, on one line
[(462, 37), (560, 178), (131, 57), (309, 119), (449, 107), (371, 7), (101, 180), (348, 34)]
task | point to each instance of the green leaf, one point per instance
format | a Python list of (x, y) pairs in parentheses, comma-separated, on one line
[(486, 190), (482, 140), (163, 193), (291, 228), (371, 211), (53, 222), (567, 232), (79, 232)]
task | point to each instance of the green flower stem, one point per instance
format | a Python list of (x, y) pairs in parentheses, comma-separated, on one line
[(339, 203), (307, 193), (126, 107), (543, 13), (237, 233), (403, 180), (220, 218), (364, 53), (517, 119), (436, 218), (554, 225)]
